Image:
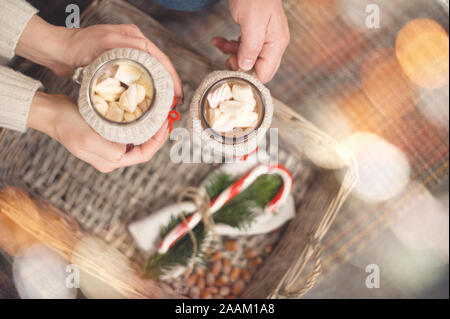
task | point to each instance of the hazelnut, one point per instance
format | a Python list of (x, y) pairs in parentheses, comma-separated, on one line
[(194, 292), (230, 245), (234, 275), (201, 283), (216, 268), (213, 290), (251, 253), (224, 291), (200, 271), (246, 275), (268, 248), (226, 266), (216, 256), (210, 279), (191, 280), (222, 280), (205, 294), (238, 288), (256, 262)]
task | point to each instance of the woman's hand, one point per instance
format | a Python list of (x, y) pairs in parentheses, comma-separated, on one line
[(66, 49), (58, 117), (264, 37)]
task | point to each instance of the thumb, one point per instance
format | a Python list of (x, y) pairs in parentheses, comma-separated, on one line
[(252, 42)]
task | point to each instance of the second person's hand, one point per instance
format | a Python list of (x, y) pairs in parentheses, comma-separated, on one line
[(264, 37)]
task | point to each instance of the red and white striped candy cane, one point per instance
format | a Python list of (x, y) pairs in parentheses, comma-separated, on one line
[(227, 195)]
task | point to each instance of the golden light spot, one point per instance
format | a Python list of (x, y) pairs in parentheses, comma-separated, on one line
[(422, 48)]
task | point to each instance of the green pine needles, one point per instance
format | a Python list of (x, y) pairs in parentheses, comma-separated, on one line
[(238, 213)]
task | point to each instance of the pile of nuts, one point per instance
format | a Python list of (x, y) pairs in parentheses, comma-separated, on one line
[(122, 93), (231, 106), (229, 270)]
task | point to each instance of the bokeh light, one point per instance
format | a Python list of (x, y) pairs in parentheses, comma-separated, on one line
[(434, 105), (422, 48), (359, 111), (100, 265), (324, 112), (422, 222), (404, 272), (40, 273), (383, 168)]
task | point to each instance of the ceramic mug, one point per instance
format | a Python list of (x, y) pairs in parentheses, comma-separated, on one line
[(147, 125)]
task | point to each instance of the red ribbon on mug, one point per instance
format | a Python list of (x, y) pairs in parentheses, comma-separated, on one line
[(173, 114)]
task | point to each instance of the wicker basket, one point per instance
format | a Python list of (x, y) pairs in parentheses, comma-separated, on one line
[(105, 204)]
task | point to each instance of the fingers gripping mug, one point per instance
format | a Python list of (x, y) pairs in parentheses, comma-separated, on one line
[(125, 95)]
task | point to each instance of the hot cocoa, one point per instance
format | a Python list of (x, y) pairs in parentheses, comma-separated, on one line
[(122, 92)]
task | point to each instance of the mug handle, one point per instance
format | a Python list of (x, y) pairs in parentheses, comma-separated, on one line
[(251, 72), (77, 75)]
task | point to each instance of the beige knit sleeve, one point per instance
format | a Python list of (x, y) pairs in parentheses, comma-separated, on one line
[(14, 16), (16, 90), (16, 93)]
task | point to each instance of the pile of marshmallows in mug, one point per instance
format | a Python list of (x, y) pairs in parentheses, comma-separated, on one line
[(232, 106), (122, 93)]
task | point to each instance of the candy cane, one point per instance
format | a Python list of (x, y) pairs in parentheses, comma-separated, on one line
[(228, 194)]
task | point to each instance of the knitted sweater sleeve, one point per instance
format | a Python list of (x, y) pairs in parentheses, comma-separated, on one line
[(16, 94), (16, 90), (14, 17)]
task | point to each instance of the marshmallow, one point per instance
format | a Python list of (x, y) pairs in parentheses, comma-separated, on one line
[(140, 93), (224, 123), (144, 105), (242, 92), (219, 95), (213, 115), (115, 113), (231, 107), (129, 117), (147, 84), (138, 113), (228, 126), (128, 99), (109, 97), (100, 104), (249, 105), (127, 74), (109, 86), (246, 119)]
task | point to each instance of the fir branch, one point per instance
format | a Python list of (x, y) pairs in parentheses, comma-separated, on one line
[(262, 190), (179, 254), (238, 213), (218, 183), (174, 221)]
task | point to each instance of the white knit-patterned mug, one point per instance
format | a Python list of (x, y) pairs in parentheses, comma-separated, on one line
[(125, 95), (231, 112)]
